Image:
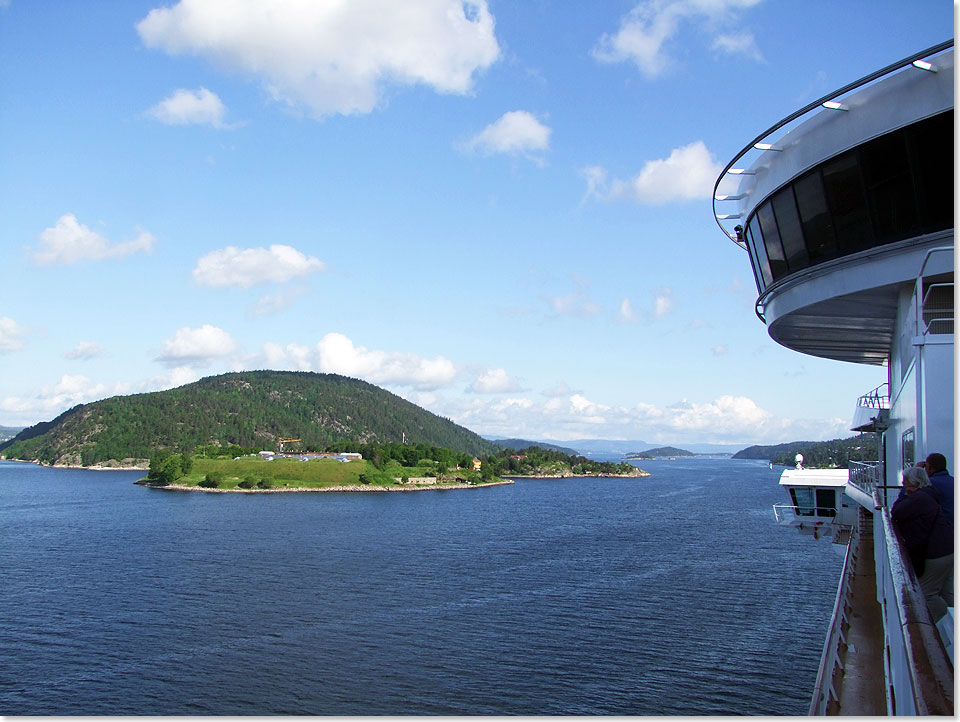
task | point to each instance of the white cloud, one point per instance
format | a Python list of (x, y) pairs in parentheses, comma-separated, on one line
[(494, 381), (646, 32), (48, 402), (84, 350), (575, 303), (738, 44), (11, 334), (333, 57), (244, 267), (69, 241), (719, 350), (516, 132), (627, 314), (275, 302), (688, 173), (177, 376), (196, 346), (337, 354), (663, 303), (726, 419), (190, 107)]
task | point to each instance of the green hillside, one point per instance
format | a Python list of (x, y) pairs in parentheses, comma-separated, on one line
[(831, 454), (249, 409)]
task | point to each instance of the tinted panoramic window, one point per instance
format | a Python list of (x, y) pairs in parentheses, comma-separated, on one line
[(815, 218), (890, 188), (755, 242), (771, 241), (791, 234)]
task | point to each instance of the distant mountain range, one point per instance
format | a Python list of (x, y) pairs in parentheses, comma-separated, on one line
[(521, 444), (611, 448), (8, 432), (250, 409)]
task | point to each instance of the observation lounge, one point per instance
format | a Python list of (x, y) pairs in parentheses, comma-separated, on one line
[(846, 211)]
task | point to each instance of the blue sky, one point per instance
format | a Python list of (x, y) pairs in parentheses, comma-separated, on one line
[(498, 210)]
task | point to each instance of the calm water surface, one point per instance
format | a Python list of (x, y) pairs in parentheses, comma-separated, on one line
[(674, 594)]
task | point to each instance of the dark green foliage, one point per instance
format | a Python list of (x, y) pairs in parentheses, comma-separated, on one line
[(507, 462), (248, 482), (265, 484), (212, 480), (833, 454), (364, 479), (236, 414), (165, 468)]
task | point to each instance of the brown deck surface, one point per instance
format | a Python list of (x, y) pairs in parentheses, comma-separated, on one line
[(861, 688)]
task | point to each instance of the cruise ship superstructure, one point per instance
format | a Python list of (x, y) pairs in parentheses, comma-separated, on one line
[(846, 210)]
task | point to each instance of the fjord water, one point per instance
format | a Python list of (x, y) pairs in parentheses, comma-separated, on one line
[(673, 594)]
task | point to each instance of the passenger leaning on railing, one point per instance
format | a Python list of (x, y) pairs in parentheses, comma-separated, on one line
[(927, 534)]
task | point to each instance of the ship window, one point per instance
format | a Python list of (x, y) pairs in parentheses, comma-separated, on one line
[(826, 502), (755, 240), (791, 234), (886, 175), (803, 500), (907, 448), (815, 218), (771, 241), (841, 180), (930, 144)]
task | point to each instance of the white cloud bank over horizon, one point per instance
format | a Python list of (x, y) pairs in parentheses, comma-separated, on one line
[(332, 57)]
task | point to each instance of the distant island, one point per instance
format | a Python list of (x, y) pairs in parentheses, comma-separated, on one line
[(659, 452), (548, 464)]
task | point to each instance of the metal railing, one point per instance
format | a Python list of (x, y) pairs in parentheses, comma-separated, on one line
[(879, 398), (825, 695), (865, 475), (919, 674), (935, 302)]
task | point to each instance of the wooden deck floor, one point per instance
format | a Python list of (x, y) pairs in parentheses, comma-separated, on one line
[(860, 684)]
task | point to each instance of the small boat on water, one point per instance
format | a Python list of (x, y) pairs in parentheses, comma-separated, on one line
[(845, 209)]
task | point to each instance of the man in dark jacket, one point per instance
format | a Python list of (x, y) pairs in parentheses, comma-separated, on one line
[(936, 466), (927, 533)]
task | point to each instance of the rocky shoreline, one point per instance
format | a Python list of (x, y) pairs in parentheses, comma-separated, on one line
[(640, 473), (303, 489)]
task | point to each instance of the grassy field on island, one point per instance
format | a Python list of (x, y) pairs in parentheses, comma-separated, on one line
[(313, 474)]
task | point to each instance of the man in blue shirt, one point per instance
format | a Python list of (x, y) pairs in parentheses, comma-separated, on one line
[(936, 466)]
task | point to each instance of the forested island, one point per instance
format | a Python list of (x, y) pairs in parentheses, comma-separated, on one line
[(547, 463), (282, 430), (833, 454)]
